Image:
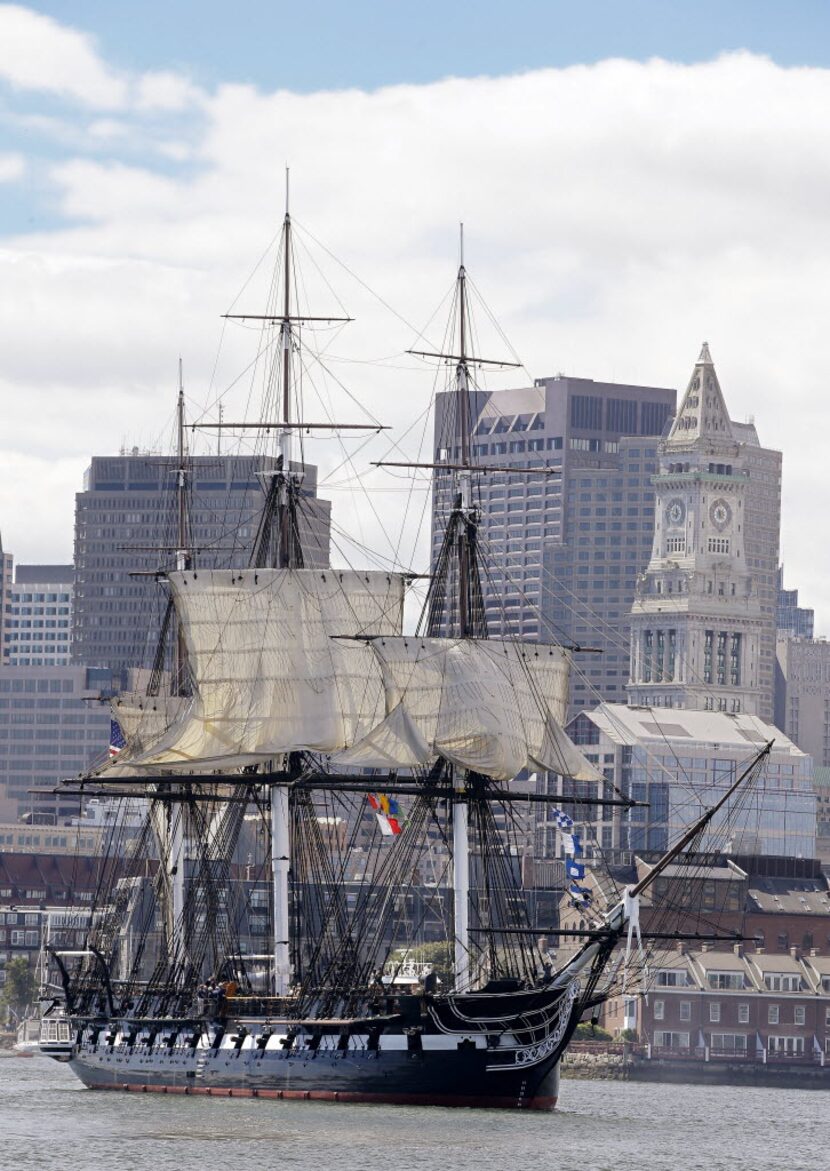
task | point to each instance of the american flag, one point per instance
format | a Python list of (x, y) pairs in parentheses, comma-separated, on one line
[(117, 741)]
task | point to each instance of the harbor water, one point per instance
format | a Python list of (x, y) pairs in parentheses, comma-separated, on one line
[(48, 1120)]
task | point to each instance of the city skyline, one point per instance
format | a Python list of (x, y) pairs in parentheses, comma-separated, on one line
[(640, 206)]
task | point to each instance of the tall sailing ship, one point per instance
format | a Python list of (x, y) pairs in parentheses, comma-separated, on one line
[(297, 702)]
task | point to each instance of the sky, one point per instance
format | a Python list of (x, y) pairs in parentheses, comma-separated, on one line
[(634, 179)]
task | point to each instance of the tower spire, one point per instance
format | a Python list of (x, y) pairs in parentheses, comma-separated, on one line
[(702, 413)]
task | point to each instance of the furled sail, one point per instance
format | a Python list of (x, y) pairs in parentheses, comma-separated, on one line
[(494, 706), (270, 674), (144, 718)]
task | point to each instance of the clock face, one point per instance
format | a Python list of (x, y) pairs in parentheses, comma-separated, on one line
[(675, 512), (720, 514)]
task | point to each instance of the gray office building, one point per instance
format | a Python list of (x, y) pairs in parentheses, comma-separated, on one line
[(125, 531), (562, 550), (53, 725)]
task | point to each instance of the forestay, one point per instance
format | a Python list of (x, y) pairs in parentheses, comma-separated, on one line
[(493, 706), (271, 676)]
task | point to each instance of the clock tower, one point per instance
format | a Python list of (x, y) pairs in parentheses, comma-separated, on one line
[(696, 620)]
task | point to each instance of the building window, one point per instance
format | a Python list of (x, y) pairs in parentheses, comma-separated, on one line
[(685, 1010), (586, 412), (743, 1014), (799, 1014), (789, 1046), (730, 980), (671, 978), (714, 1010), (659, 1010), (664, 1040), (782, 982), (772, 1014), (729, 1042)]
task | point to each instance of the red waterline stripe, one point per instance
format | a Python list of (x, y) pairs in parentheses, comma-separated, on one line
[(493, 1103)]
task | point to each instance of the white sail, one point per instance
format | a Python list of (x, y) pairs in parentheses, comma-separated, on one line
[(270, 674), (494, 706)]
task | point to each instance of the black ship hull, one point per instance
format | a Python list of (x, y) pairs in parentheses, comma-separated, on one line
[(441, 1079), (475, 1050)]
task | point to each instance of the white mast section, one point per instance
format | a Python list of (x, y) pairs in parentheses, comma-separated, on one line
[(280, 864), (461, 886)]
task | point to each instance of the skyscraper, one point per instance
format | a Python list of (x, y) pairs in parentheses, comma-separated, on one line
[(125, 531), (703, 618), (37, 617), (562, 550)]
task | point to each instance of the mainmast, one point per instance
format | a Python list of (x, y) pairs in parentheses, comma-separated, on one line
[(177, 810), (285, 487), (466, 524)]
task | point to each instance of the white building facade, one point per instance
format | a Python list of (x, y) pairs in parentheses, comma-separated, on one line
[(680, 762)]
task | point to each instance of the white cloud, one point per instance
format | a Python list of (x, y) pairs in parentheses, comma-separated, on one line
[(617, 214), (12, 167), (40, 54), (165, 91)]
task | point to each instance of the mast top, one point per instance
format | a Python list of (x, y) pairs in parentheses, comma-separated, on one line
[(287, 187), (461, 245)]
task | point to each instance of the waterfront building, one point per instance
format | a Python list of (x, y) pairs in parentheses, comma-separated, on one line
[(704, 612), (125, 532), (792, 619), (679, 761), (37, 617), (765, 997), (563, 550), (40, 833), (742, 1006)]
